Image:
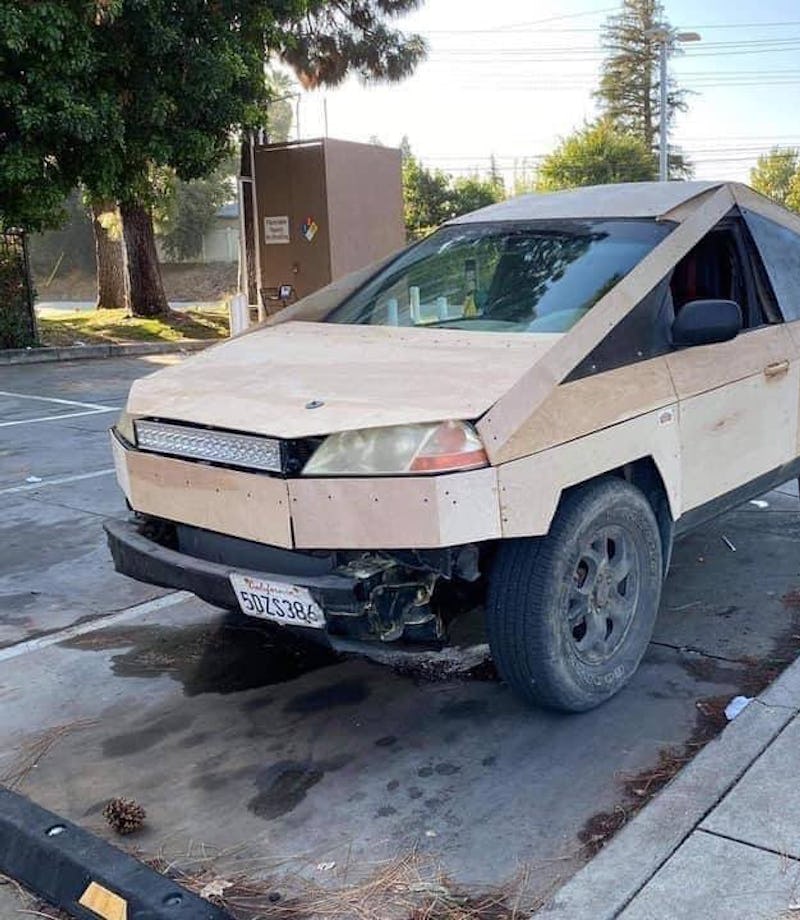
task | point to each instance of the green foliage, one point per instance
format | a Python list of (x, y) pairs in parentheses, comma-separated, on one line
[(596, 154), (629, 91), (777, 175), (51, 105), (430, 197), (16, 298)]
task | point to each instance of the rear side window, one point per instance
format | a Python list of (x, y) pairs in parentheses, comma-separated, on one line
[(779, 248), (514, 277)]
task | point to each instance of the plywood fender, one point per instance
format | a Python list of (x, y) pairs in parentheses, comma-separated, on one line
[(530, 487), (582, 406)]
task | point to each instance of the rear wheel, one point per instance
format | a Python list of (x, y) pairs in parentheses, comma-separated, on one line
[(569, 615)]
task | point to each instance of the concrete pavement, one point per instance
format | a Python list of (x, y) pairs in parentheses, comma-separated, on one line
[(239, 741), (721, 842)]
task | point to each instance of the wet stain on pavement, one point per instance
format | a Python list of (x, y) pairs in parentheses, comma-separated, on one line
[(224, 657), (283, 785), (343, 693), (144, 738)]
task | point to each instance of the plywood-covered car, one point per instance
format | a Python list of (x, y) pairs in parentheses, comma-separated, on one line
[(535, 399)]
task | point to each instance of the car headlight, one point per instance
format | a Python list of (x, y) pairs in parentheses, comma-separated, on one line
[(124, 427), (411, 449)]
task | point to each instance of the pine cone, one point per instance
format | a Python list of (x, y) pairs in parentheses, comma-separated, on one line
[(124, 815)]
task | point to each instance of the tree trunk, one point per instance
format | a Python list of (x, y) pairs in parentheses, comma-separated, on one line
[(146, 288), (112, 276)]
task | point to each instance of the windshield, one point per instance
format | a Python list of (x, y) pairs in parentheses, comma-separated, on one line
[(514, 277)]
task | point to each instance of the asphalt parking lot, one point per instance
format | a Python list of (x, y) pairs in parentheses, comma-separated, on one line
[(298, 765)]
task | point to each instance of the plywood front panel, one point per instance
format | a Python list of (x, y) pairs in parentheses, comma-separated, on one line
[(592, 403), (732, 435), (530, 488), (247, 505), (396, 513)]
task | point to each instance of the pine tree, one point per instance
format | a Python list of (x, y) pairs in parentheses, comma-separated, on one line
[(629, 93)]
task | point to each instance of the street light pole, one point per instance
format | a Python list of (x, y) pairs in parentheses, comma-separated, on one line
[(663, 142), (665, 38)]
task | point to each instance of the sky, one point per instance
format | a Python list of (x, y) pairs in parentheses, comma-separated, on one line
[(510, 77)]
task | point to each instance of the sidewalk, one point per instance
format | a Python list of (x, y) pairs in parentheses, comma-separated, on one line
[(720, 842)]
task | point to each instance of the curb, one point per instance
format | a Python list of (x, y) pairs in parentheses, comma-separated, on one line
[(85, 352), (85, 876), (605, 886)]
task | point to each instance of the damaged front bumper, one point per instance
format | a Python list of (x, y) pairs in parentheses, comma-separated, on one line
[(382, 595)]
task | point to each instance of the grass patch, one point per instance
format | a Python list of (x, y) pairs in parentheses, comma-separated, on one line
[(103, 327)]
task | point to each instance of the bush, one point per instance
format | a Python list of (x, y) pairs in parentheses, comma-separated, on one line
[(17, 326)]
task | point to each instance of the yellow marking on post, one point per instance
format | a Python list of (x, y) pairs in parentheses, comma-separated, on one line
[(104, 903)]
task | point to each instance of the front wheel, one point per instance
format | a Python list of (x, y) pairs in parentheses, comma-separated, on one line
[(569, 615)]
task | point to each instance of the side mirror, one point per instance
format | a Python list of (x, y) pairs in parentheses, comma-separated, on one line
[(703, 322)]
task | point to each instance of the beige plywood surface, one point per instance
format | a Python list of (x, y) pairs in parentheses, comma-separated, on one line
[(395, 513), (367, 376), (511, 412), (706, 367), (530, 487), (733, 434), (625, 199), (247, 505), (595, 402)]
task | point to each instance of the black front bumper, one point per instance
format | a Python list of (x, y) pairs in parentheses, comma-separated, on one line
[(366, 596), (145, 560)]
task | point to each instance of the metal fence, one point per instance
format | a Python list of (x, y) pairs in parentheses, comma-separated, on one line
[(17, 316)]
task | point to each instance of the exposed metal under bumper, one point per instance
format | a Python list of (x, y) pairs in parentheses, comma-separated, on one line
[(377, 596)]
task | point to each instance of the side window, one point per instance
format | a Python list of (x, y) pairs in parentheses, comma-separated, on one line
[(779, 248), (725, 265)]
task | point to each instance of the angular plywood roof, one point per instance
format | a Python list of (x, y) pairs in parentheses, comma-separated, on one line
[(628, 199)]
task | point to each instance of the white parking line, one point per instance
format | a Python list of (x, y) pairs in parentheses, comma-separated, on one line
[(56, 481), (60, 402), (131, 613), (55, 418)]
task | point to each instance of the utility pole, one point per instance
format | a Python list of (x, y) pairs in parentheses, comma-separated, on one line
[(666, 39)]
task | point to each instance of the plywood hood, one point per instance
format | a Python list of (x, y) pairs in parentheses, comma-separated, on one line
[(365, 377)]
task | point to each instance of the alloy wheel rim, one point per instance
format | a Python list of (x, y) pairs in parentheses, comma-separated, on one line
[(603, 594)]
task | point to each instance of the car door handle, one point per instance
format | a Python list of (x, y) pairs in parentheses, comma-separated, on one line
[(778, 369)]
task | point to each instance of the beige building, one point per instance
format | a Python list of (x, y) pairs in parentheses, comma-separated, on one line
[(314, 211)]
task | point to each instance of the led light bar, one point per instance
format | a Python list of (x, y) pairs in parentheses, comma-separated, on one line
[(244, 450)]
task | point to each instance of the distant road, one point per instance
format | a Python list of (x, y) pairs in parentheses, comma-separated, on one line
[(73, 305)]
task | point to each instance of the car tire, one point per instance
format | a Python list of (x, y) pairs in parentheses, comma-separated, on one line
[(570, 614)]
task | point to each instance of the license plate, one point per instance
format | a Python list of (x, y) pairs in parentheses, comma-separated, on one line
[(290, 605)]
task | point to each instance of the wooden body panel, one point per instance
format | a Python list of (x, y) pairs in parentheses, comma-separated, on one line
[(707, 367), (738, 410), (592, 403), (366, 376), (499, 428), (531, 487), (395, 513), (247, 505)]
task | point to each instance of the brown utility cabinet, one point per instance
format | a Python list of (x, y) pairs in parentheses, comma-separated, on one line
[(325, 208)]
